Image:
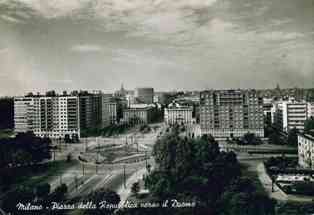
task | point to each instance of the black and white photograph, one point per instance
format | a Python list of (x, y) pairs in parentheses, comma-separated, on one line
[(156, 107)]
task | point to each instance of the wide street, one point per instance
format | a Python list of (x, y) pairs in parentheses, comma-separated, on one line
[(84, 177)]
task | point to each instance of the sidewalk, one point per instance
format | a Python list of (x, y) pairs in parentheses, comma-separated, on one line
[(266, 181)]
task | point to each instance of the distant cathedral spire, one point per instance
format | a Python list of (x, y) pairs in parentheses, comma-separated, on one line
[(277, 86)]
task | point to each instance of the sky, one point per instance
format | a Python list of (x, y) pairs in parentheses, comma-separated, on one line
[(165, 44)]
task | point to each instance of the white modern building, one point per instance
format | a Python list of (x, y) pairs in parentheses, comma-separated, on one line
[(310, 109), (178, 114), (306, 150), (50, 116), (23, 114), (289, 114)]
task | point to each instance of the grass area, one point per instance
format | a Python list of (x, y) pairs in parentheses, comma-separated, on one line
[(5, 133)]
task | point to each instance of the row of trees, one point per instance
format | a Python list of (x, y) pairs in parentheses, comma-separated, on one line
[(247, 139), (24, 149), (108, 131)]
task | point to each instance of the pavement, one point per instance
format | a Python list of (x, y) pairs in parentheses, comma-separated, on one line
[(108, 175), (266, 181)]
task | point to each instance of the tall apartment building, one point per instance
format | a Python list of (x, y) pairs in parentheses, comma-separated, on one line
[(86, 112), (52, 117), (144, 95), (310, 109), (277, 115), (109, 110), (23, 114), (231, 113), (289, 114), (178, 114), (97, 110)]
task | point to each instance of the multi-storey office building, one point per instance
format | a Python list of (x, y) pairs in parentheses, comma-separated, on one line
[(231, 113), (139, 114), (289, 114), (178, 114), (306, 150), (53, 117), (294, 115)]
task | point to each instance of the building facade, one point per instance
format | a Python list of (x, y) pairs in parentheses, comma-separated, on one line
[(144, 95), (310, 109), (109, 110), (138, 114), (231, 113), (289, 114), (306, 150), (177, 114), (46, 116), (23, 114)]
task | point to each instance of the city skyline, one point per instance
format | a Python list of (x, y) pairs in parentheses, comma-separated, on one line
[(213, 44)]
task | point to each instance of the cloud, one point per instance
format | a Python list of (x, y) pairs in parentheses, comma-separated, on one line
[(279, 35), (11, 19), (3, 50), (86, 48)]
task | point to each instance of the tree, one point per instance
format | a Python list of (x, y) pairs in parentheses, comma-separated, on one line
[(274, 138), (309, 125), (42, 190), (11, 199), (67, 138), (251, 139), (293, 137), (191, 169), (135, 188), (69, 157), (99, 196), (59, 193)]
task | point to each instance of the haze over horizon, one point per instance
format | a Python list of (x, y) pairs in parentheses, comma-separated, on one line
[(165, 44)]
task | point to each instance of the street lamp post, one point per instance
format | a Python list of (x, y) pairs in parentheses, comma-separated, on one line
[(272, 183), (124, 176), (60, 178), (85, 144), (76, 184)]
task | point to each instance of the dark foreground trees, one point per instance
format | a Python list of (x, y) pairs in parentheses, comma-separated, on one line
[(107, 201), (195, 170), (24, 149)]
